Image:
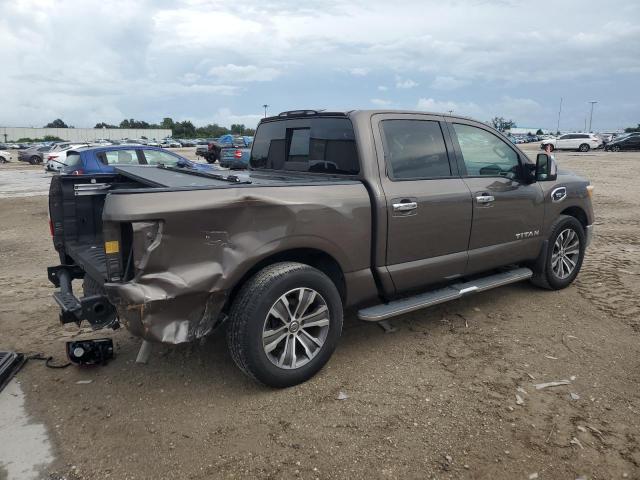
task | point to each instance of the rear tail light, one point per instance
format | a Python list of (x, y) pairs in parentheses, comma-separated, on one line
[(51, 227), (51, 157), (238, 154)]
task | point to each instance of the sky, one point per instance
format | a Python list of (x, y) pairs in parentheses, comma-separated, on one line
[(89, 61)]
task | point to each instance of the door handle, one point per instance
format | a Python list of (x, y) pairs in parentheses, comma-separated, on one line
[(404, 207), (484, 199)]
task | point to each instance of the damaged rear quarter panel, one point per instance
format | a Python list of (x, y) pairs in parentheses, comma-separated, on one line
[(192, 247)]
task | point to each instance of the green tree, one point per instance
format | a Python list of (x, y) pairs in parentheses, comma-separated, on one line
[(104, 125), (539, 132), (237, 128), (57, 123), (167, 122), (632, 129), (500, 124)]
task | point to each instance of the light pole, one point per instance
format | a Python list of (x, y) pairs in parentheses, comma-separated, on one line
[(592, 102), (265, 106), (559, 113)]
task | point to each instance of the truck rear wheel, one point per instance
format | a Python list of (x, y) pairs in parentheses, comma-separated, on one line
[(284, 324), (561, 261)]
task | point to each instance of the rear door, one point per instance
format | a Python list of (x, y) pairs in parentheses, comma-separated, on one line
[(565, 141), (508, 210), (428, 204)]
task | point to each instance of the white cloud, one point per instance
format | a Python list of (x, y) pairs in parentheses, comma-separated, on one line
[(188, 58), (381, 102), (359, 71), (470, 109), (447, 83), (405, 83), (224, 116), (243, 73)]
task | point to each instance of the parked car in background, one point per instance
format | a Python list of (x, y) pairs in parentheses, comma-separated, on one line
[(5, 156), (170, 143), (57, 159), (185, 142), (34, 155), (628, 142), (212, 151), (583, 142), (91, 160), (236, 156)]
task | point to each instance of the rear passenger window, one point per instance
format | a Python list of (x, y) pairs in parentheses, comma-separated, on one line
[(73, 159), (156, 157), (415, 149), (485, 154), (119, 157), (319, 145)]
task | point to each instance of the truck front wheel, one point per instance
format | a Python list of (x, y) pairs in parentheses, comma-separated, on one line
[(560, 263), (284, 324)]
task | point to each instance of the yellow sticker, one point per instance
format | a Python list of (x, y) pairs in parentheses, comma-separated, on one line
[(111, 247)]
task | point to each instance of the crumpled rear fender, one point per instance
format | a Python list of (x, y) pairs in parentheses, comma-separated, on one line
[(190, 248)]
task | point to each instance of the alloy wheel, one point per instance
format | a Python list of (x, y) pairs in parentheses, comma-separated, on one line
[(566, 252), (296, 328)]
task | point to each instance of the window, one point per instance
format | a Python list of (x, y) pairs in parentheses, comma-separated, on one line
[(119, 157), (484, 154), (299, 147), (156, 157), (73, 159), (319, 145), (415, 149)]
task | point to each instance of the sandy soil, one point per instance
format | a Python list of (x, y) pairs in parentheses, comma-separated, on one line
[(435, 399)]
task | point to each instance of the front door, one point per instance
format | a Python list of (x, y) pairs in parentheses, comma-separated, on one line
[(508, 210), (428, 204)]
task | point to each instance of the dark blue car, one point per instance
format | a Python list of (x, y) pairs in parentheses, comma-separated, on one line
[(89, 160)]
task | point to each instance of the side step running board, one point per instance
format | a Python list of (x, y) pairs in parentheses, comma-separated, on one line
[(434, 297)]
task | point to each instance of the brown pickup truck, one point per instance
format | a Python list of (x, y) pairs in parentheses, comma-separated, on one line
[(385, 212)]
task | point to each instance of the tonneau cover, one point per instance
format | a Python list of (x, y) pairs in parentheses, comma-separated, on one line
[(171, 178)]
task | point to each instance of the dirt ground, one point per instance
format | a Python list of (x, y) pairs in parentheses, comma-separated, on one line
[(435, 399)]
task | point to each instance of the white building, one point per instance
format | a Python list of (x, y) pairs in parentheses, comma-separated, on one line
[(12, 134)]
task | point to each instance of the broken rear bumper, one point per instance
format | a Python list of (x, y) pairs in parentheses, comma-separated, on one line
[(96, 309), (150, 313)]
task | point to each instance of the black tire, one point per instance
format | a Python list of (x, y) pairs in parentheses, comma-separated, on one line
[(249, 316), (34, 160), (615, 148), (584, 147), (91, 287), (543, 273), (3, 160)]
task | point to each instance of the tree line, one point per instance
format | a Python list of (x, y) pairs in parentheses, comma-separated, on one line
[(184, 129)]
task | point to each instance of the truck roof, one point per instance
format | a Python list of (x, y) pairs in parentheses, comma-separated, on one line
[(310, 113)]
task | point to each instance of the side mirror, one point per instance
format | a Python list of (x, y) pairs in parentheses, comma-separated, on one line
[(546, 168)]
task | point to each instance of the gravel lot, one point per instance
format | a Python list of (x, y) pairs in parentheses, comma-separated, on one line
[(435, 399)]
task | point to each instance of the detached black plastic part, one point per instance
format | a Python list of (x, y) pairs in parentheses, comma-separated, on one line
[(10, 363), (96, 309), (90, 352)]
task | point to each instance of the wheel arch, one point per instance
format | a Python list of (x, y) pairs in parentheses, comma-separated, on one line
[(578, 213), (313, 257)]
